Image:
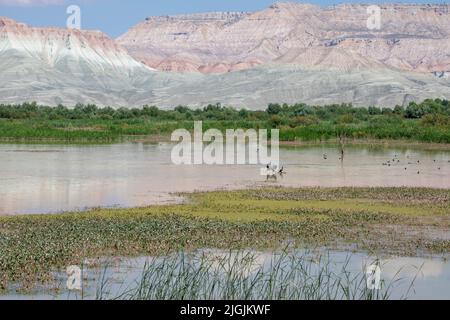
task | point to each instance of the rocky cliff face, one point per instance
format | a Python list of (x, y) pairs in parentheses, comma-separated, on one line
[(64, 66), (55, 46), (412, 37), (287, 53)]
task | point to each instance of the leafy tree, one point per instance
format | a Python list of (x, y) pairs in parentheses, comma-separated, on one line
[(273, 109), (414, 111)]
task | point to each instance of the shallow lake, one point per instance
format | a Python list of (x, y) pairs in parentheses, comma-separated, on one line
[(56, 178)]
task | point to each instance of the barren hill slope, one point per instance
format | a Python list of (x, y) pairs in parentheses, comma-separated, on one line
[(412, 37)]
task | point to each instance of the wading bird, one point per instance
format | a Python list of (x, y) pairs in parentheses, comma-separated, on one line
[(272, 171)]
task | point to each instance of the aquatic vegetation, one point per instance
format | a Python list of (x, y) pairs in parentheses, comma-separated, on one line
[(403, 221), (246, 275), (429, 122)]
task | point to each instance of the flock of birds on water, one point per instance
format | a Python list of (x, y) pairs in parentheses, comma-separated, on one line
[(274, 171), (396, 161)]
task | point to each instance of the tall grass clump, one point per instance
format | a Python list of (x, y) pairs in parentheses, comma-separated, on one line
[(244, 275)]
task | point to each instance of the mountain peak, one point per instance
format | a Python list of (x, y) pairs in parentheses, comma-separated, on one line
[(54, 45), (291, 4), (5, 22), (228, 39), (212, 16)]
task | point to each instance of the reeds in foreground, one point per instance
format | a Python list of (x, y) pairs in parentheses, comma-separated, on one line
[(245, 275)]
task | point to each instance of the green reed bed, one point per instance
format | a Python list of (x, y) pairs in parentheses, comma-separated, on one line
[(243, 275), (69, 131), (427, 122)]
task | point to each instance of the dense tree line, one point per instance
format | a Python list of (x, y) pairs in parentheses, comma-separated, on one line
[(433, 111)]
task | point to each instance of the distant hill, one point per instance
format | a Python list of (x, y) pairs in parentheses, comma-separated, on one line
[(412, 37), (285, 53)]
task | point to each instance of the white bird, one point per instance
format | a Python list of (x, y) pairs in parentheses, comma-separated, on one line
[(273, 170)]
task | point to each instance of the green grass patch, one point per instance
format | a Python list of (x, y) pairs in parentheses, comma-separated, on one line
[(108, 131)]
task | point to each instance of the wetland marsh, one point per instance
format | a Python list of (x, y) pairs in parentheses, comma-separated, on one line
[(380, 221), (87, 205)]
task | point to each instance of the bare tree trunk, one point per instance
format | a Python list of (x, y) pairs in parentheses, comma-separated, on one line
[(342, 141)]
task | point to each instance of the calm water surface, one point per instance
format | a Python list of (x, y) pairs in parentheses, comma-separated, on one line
[(55, 178), (409, 278)]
